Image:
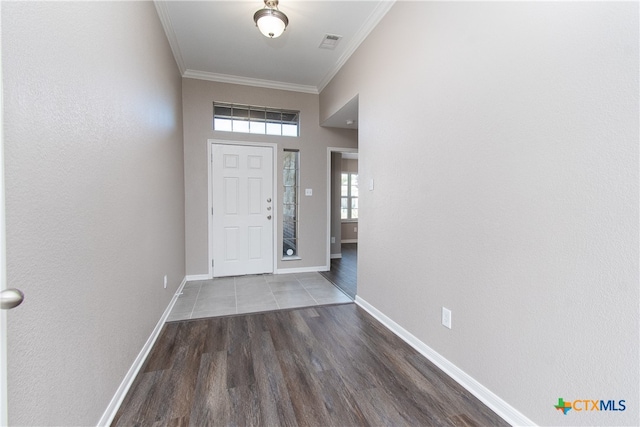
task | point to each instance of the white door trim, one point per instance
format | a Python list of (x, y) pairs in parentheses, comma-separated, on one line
[(274, 148), (3, 266), (329, 194)]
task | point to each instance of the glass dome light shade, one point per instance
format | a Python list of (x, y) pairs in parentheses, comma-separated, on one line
[(271, 22)]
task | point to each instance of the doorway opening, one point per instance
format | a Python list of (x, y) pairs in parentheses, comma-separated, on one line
[(342, 219)]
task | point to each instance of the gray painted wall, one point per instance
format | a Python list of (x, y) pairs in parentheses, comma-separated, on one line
[(94, 199), (503, 141), (198, 98)]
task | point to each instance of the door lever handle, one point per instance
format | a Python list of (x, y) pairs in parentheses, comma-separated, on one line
[(10, 298)]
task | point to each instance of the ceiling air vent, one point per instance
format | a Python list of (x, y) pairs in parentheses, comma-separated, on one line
[(330, 41)]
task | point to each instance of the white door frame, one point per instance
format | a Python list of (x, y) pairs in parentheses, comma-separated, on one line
[(274, 147), (3, 265), (329, 194)]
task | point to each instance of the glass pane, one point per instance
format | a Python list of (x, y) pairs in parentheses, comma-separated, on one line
[(290, 203), (274, 129), (258, 127), (222, 125), (289, 247), (289, 177), (289, 130), (344, 203), (289, 230), (290, 159), (344, 191), (240, 126), (344, 214), (354, 185), (257, 115), (354, 203), (289, 212), (222, 111), (240, 113), (289, 197), (345, 179), (274, 116), (290, 117), (354, 213)]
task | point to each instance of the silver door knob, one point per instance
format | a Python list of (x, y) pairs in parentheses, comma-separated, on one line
[(268, 216), (11, 298), (269, 200)]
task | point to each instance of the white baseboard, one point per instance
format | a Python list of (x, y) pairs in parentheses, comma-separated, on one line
[(336, 256), (302, 269), (116, 401), (349, 241), (193, 277), (486, 396)]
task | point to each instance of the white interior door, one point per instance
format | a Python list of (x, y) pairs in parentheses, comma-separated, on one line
[(243, 213)]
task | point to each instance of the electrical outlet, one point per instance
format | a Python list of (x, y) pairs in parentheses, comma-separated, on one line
[(165, 281), (333, 240), (446, 317), (355, 229)]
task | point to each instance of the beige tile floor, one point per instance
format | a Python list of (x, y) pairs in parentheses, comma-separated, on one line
[(250, 294)]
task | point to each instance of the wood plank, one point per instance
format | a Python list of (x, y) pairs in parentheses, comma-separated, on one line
[(211, 404), (273, 395), (325, 366)]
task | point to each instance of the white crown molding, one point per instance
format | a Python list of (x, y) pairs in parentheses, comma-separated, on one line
[(486, 396), (246, 81), (163, 14), (376, 16)]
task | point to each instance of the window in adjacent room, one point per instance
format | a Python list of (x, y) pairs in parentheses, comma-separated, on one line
[(290, 174), (258, 120), (349, 196)]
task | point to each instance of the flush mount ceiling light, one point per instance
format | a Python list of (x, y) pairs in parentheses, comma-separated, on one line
[(270, 21)]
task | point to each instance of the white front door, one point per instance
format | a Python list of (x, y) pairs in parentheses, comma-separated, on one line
[(243, 215)]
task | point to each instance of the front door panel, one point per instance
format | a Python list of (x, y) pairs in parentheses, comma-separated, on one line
[(242, 210)]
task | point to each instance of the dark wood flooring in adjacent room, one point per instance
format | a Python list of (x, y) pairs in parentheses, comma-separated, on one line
[(344, 271), (320, 366)]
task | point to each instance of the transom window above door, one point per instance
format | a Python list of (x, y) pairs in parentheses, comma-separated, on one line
[(257, 120)]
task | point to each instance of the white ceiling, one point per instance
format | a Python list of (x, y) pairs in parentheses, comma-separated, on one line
[(218, 40)]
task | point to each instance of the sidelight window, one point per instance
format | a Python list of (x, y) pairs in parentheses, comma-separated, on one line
[(290, 178)]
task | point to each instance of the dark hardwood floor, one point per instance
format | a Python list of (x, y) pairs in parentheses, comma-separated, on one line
[(344, 271), (320, 366)]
